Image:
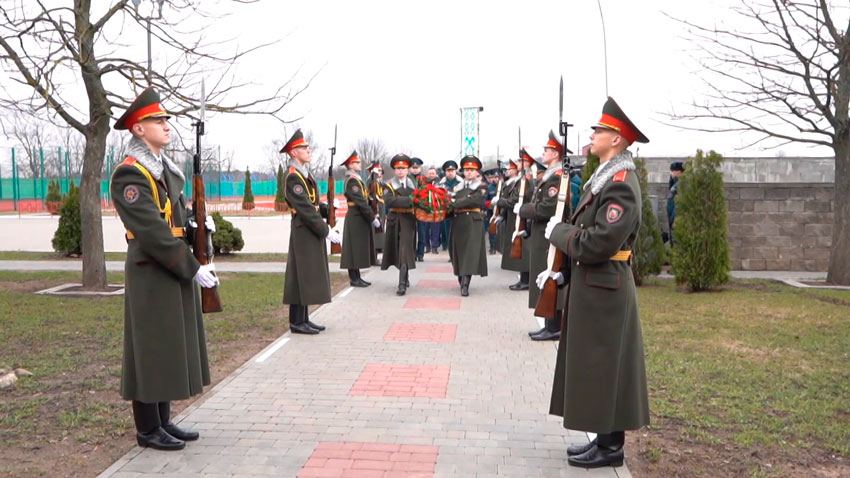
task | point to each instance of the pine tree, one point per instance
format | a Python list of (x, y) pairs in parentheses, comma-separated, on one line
[(279, 201), (590, 166), (53, 200), (648, 247), (248, 198), (227, 238), (701, 253), (68, 238)]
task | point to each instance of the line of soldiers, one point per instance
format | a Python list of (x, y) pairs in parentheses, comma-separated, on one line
[(600, 379)]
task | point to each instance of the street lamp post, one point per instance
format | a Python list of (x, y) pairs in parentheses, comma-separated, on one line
[(136, 3)]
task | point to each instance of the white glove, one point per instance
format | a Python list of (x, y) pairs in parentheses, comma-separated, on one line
[(541, 278), (376, 223), (551, 226), (499, 219), (210, 223), (334, 236), (205, 276), (336, 203), (521, 233), (495, 199), (516, 208)]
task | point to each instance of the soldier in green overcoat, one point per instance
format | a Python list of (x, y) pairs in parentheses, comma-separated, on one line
[(469, 253), (600, 373), (508, 199), (542, 207), (400, 231), (165, 351), (376, 176), (358, 233), (307, 280)]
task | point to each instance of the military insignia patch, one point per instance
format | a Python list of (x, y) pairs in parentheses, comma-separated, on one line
[(298, 189), (355, 188), (131, 193), (614, 213), (553, 191)]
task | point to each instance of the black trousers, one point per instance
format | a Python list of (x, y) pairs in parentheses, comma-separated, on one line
[(612, 441), (149, 416), (298, 313)]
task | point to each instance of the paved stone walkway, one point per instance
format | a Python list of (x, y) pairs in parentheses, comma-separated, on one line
[(425, 385)]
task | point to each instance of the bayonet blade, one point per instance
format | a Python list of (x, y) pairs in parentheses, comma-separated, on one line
[(561, 101), (203, 101)]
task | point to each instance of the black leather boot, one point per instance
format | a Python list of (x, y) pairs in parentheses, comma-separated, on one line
[(464, 285), (149, 433), (298, 321), (597, 457), (553, 330), (309, 322), (159, 439), (402, 281), (360, 278), (537, 332), (171, 428), (354, 279), (522, 283), (573, 450)]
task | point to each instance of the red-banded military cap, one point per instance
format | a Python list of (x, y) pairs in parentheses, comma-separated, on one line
[(470, 162), (512, 164), (296, 141), (400, 161), (615, 119), (524, 156), (144, 107), (351, 158), (375, 165)]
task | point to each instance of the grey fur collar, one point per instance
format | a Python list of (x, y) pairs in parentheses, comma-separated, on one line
[(550, 171), (301, 169), (140, 151), (474, 184), (353, 174), (512, 180), (606, 171), (396, 183)]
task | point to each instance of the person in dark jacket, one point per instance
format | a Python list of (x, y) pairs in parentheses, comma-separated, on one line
[(448, 182), (468, 251), (358, 233), (307, 280), (165, 350), (400, 233), (676, 170), (600, 372)]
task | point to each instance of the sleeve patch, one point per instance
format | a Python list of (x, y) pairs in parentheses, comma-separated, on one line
[(614, 213), (298, 189), (355, 188), (131, 193), (553, 191), (621, 176)]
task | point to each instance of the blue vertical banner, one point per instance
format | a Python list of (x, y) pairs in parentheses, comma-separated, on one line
[(469, 129)]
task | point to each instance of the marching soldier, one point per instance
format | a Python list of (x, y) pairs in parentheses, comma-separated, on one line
[(468, 252), (419, 180), (448, 182), (376, 176), (358, 234), (400, 233), (603, 344), (539, 210), (307, 280), (165, 351), (509, 199)]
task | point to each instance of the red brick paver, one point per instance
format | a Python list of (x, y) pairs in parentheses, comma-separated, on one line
[(432, 303), (370, 460), (395, 380), (401, 332), (437, 284), (439, 270)]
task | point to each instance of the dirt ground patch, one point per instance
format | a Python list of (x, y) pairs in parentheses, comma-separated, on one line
[(76, 425)]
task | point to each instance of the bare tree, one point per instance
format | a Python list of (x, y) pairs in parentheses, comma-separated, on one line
[(32, 134), (58, 55), (371, 150), (782, 75), (273, 155)]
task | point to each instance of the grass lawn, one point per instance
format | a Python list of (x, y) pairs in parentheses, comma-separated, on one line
[(68, 420), (750, 381)]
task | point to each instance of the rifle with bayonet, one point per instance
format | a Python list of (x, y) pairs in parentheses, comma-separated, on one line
[(335, 248), (375, 199), (547, 301), (520, 224), (496, 212), (202, 245)]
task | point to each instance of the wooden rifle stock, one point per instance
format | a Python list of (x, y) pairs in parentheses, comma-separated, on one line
[(547, 301), (335, 248), (496, 212), (202, 246)]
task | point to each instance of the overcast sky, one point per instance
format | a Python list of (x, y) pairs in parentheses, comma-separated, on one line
[(400, 71)]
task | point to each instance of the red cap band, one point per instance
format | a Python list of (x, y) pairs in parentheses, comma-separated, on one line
[(143, 113), (469, 165), (554, 145), (624, 129), (298, 142)]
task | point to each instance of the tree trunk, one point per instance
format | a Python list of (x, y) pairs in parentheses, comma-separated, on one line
[(839, 255), (94, 264)]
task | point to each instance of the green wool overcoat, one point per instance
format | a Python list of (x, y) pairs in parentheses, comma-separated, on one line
[(537, 213), (358, 235), (400, 230), (600, 373), (165, 351), (307, 280), (382, 216), (467, 239), (509, 199)]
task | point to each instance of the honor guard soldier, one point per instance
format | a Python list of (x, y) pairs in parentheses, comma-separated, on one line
[(448, 182), (307, 280), (400, 233), (165, 351), (358, 236), (468, 252), (509, 199), (376, 176), (603, 345), (539, 210)]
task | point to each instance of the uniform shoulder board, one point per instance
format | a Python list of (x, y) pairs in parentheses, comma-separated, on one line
[(129, 161), (621, 176), (559, 172), (292, 170)]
